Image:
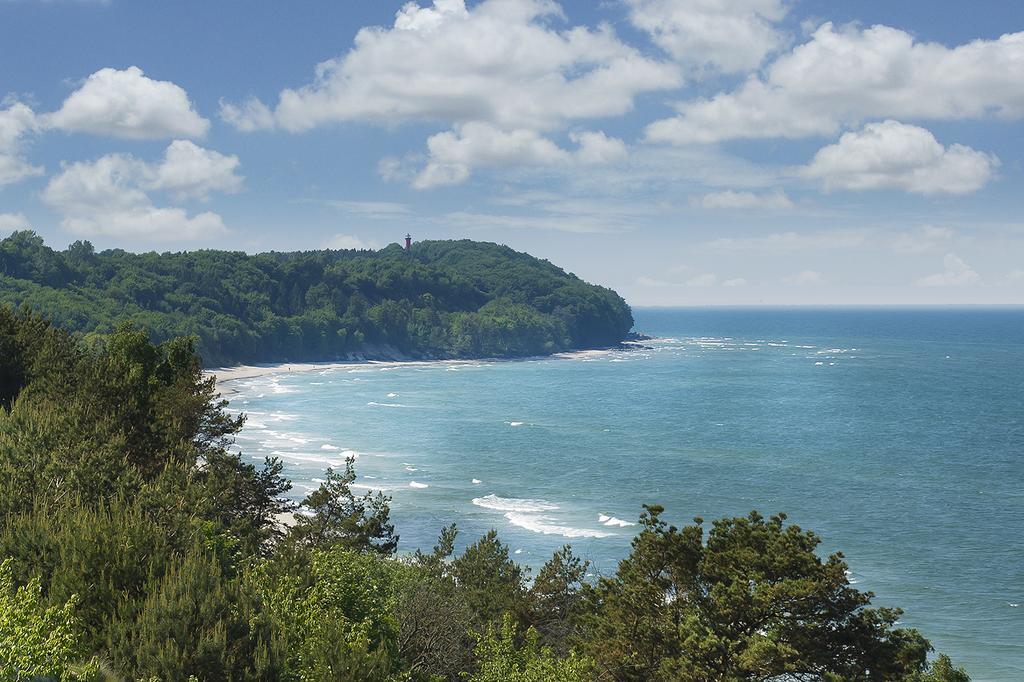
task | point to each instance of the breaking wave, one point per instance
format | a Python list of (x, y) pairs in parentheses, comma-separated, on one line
[(512, 504), (543, 524)]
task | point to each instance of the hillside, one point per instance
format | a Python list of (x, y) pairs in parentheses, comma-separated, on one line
[(442, 299)]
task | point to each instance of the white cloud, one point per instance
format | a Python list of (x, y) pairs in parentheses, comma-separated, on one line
[(10, 222), (726, 35), (377, 210), (578, 224), (453, 154), (597, 148), (500, 61), (955, 273), (249, 116), (804, 279), (109, 196), (732, 200), (787, 242), (927, 238), (703, 280), (129, 105), (841, 77), (16, 122), (191, 171), (349, 242), (900, 156), (646, 281)]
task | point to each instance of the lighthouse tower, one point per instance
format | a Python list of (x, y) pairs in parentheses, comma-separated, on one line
[(408, 242)]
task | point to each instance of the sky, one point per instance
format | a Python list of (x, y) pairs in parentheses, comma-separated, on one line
[(682, 152)]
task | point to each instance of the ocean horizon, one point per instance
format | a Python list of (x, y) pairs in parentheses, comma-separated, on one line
[(895, 433)]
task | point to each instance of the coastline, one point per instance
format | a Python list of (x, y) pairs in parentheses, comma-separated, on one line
[(225, 375)]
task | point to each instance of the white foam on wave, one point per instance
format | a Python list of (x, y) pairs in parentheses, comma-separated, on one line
[(513, 504), (279, 389), (477, 481), (410, 468), (350, 453), (306, 457), (414, 484), (376, 404), (544, 525), (328, 446), (607, 520), (392, 395), (514, 423), (364, 486), (253, 424)]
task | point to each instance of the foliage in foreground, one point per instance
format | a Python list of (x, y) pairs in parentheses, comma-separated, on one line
[(442, 299), (133, 542), (36, 639)]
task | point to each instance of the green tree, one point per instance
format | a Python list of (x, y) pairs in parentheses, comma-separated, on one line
[(38, 641), (490, 582), (446, 299), (340, 517), (500, 659), (194, 621), (941, 670), (435, 621), (556, 598), (335, 610), (753, 602)]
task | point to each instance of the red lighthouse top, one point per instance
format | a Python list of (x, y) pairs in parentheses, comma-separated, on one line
[(408, 242)]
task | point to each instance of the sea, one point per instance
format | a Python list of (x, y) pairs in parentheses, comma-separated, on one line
[(895, 434)]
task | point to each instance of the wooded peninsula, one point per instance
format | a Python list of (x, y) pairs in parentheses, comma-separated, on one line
[(435, 300)]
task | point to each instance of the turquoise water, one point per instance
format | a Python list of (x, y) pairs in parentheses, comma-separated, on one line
[(897, 435)]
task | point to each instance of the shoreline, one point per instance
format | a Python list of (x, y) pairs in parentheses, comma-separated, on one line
[(225, 375)]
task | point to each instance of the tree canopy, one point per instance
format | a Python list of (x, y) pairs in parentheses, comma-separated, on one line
[(442, 299)]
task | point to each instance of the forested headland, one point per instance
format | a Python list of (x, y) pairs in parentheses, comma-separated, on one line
[(441, 299), (134, 545)]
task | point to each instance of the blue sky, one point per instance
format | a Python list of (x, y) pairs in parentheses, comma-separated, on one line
[(680, 151)]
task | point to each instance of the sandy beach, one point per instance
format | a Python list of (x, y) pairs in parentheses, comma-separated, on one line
[(228, 374)]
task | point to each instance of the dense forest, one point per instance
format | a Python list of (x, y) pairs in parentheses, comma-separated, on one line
[(135, 546), (441, 299)]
